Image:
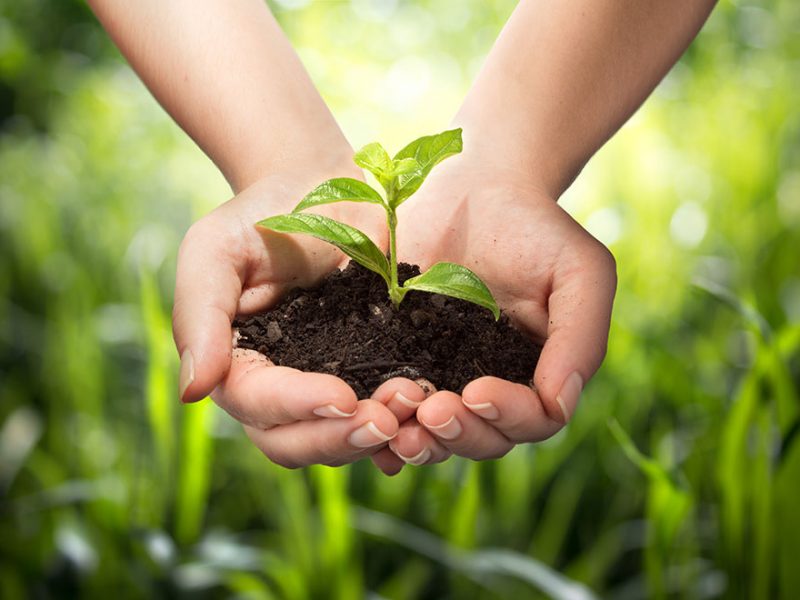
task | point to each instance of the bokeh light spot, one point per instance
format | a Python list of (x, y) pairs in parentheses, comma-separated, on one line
[(688, 224)]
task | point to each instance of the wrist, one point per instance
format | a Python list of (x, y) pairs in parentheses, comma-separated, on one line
[(307, 153), (487, 159), (280, 186), (503, 146)]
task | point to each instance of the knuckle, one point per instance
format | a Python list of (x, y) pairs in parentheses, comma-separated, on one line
[(606, 260), (212, 234), (199, 232), (193, 234)]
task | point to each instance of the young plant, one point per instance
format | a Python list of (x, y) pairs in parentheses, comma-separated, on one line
[(400, 177)]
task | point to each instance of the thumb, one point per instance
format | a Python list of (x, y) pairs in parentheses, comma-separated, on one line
[(207, 291), (579, 309)]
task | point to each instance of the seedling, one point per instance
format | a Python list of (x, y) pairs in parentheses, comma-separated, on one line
[(400, 177)]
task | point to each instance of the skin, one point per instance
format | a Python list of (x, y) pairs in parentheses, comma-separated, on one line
[(226, 266), (561, 79), (222, 95), (556, 282)]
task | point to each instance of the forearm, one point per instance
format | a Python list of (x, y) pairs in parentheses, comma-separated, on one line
[(565, 75), (229, 77)]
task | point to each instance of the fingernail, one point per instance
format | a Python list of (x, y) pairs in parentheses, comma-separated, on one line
[(567, 398), (368, 435), (407, 401), (487, 410), (448, 430), (418, 459), (187, 372), (329, 411)]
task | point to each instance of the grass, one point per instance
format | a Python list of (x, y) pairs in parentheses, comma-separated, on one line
[(677, 479)]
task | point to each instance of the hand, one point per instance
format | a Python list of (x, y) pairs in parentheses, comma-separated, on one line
[(554, 280), (228, 266)]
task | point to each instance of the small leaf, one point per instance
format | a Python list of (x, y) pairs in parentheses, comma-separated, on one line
[(342, 189), (428, 152), (374, 158), (348, 239), (456, 281), (403, 167)]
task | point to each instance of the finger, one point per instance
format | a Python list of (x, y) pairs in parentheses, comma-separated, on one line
[(259, 394), (207, 290), (514, 409), (328, 441), (426, 386), (259, 297), (457, 429), (387, 461), (400, 395), (414, 445), (577, 335)]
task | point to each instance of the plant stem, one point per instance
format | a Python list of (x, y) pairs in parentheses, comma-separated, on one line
[(391, 217)]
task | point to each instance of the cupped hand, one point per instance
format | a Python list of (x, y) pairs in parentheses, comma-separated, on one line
[(553, 279), (227, 266)]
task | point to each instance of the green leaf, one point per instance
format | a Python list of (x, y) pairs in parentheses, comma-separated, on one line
[(428, 152), (374, 158), (342, 189), (348, 239), (456, 281), (403, 167)]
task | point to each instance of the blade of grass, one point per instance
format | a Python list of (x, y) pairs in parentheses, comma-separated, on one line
[(474, 565), (762, 513), (668, 506), (462, 530), (342, 576), (736, 466), (194, 471), (295, 529), (249, 586), (159, 388)]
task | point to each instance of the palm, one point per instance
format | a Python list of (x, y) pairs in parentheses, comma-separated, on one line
[(510, 234), (268, 264), (552, 278), (228, 266)]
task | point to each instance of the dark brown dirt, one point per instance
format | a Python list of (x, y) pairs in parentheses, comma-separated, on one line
[(348, 327)]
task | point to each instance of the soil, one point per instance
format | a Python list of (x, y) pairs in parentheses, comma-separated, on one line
[(348, 327)]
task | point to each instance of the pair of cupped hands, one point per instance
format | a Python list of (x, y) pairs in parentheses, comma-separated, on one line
[(552, 278)]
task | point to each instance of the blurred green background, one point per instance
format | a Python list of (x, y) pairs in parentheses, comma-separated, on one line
[(679, 477)]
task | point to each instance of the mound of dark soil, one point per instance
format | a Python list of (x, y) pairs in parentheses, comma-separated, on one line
[(348, 327)]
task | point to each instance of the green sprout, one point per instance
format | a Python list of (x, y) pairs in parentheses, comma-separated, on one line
[(400, 177)]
